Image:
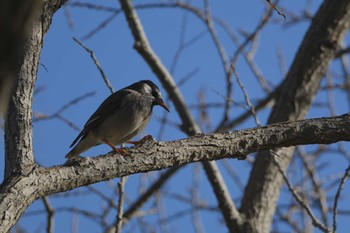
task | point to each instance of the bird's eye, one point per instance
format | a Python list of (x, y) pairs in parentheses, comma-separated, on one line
[(156, 95)]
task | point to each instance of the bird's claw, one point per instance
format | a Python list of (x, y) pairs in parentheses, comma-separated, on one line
[(120, 151)]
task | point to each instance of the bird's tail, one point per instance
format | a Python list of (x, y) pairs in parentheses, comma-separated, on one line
[(84, 144), (72, 154)]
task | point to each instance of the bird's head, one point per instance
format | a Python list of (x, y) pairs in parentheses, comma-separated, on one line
[(148, 88)]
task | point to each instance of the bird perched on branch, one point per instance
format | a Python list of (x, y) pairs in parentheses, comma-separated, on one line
[(119, 118)]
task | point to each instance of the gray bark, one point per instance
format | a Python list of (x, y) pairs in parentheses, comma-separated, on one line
[(19, 156)]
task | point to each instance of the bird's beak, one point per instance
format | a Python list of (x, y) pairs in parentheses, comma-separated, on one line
[(161, 103)]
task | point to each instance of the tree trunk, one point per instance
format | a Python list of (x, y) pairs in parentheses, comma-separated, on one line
[(318, 48)]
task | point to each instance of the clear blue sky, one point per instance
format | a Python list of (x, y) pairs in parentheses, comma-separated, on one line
[(67, 72)]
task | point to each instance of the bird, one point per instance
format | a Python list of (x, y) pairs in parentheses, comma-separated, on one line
[(119, 118)]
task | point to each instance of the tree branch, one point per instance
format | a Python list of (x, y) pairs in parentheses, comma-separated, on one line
[(152, 156), (121, 187), (315, 221), (19, 156), (337, 195)]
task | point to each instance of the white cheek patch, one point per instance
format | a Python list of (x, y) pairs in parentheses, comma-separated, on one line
[(147, 88)]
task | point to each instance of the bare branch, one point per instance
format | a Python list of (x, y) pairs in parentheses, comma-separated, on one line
[(39, 117), (337, 195), (156, 156), (50, 215), (246, 96), (322, 202), (150, 191), (119, 221), (276, 9), (92, 55), (301, 202)]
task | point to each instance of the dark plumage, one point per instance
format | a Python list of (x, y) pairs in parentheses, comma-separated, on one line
[(119, 118)]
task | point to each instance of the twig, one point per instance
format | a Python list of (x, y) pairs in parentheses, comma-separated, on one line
[(233, 174), (182, 44), (260, 105), (150, 191), (246, 96), (281, 62), (92, 55), (92, 6), (57, 114), (50, 215), (119, 221), (337, 195), (102, 196), (68, 122), (330, 95), (68, 16), (99, 27), (196, 221), (344, 62), (286, 218), (262, 23), (206, 18), (163, 218), (247, 56), (296, 196), (181, 48), (225, 63), (311, 171), (276, 9)]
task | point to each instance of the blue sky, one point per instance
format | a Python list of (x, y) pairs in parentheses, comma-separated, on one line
[(67, 72)]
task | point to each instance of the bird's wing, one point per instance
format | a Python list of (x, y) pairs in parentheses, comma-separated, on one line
[(110, 105)]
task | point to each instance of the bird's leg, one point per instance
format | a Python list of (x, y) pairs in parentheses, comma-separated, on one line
[(115, 149), (143, 140)]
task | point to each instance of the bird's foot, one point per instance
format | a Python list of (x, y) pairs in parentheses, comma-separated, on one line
[(120, 151), (142, 141), (115, 149)]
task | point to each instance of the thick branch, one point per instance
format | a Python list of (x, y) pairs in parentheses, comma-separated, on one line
[(19, 156), (17, 194)]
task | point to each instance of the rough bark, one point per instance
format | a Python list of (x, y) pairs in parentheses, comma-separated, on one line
[(318, 48), (17, 193), (19, 156)]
